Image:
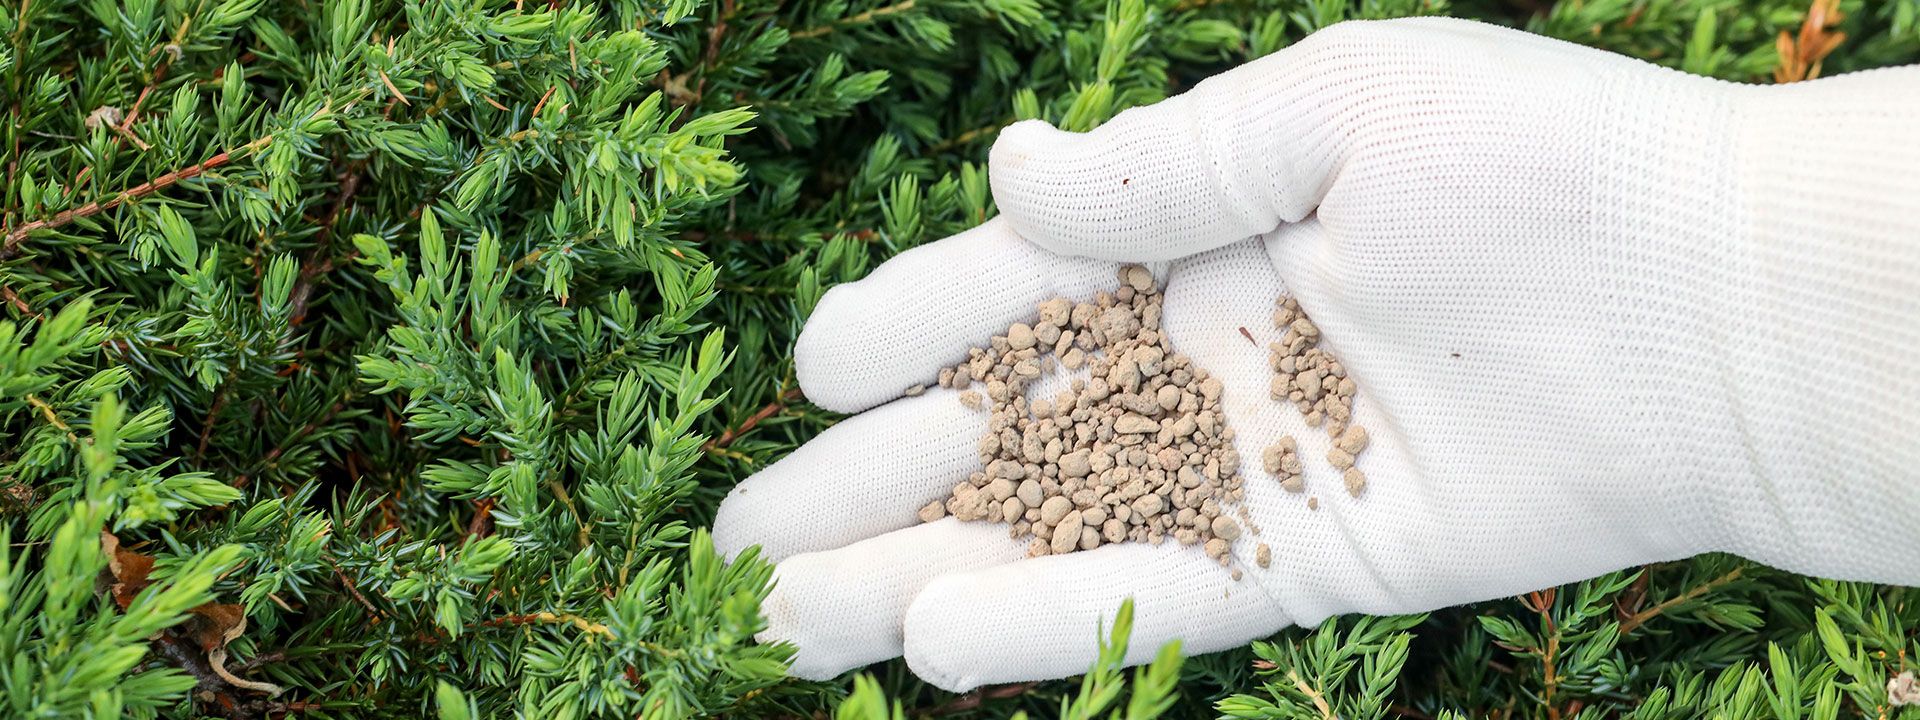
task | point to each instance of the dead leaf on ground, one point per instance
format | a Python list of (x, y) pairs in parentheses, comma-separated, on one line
[(1800, 57), (212, 626), (209, 628), (127, 570)]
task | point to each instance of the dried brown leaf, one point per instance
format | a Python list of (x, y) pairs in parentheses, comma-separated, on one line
[(212, 626), (1800, 57), (127, 570)]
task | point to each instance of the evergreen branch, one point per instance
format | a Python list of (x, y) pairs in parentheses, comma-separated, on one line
[(1319, 699), (560, 491), (967, 137), (731, 434), (712, 55), (274, 454), (318, 262), (213, 416), (15, 236), (52, 417), (397, 95), (860, 19), (588, 626), (525, 260), (172, 52), (13, 298), (1640, 618), (354, 590)]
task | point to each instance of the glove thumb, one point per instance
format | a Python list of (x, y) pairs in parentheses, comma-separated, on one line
[(1147, 185)]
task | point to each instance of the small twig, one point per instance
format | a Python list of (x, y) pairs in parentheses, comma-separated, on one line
[(128, 134), (18, 234), (1549, 675), (52, 417), (126, 123), (1541, 601), (861, 19), (974, 699), (1641, 618), (258, 660), (731, 434), (527, 259), (125, 127), (712, 55), (278, 450), (1630, 599), (189, 658), (560, 491), (217, 659), (317, 263), (1319, 701), (703, 236), (966, 137), (584, 624), (13, 298), (355, 591), (213, 416), (700, 236)]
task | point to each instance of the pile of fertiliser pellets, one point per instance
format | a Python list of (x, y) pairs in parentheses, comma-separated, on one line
[(1317, 385), (1136, 448)]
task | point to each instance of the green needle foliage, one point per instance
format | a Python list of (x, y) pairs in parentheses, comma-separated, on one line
[(1150, 695), (383, 358)]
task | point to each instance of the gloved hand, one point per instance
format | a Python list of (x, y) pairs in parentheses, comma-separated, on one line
[(1600, 314)]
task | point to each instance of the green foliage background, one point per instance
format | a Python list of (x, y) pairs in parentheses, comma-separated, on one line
[(425, 335)]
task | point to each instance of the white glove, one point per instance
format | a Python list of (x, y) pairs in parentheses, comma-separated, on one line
[(1600, 314)]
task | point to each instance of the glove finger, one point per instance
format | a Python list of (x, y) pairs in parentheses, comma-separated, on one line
[(843, 608), (1042, 618), (1143, 186), (863, 477), (1234, 157), (867, 475), (1250, 148), (870, 340)]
